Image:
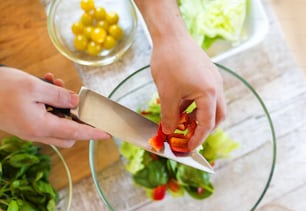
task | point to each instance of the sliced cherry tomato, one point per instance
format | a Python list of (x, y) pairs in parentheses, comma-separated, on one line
[(159, 192)]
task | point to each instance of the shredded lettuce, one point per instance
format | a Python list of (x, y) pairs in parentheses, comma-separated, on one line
[(210, 20)]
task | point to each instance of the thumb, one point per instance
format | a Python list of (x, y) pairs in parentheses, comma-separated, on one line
[(56, 96)]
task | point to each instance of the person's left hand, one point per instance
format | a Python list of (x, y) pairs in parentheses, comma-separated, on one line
[(23, 112)]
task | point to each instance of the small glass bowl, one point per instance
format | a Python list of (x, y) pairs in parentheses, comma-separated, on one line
[(240, 181), (63, 13)]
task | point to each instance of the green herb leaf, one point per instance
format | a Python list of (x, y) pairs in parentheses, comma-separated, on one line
[(154, 174)]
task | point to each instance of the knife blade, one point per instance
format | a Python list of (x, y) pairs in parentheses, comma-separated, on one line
[(127, 125)]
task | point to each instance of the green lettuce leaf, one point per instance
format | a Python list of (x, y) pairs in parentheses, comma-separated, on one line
[(209, 20), (218, 145)]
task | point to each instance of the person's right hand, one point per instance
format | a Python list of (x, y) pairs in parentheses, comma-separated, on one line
[(23, 112)]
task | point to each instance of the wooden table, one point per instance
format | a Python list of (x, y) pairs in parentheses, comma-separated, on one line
[(269, 67)]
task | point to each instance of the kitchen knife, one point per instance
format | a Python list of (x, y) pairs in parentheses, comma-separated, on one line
[(127, 125)]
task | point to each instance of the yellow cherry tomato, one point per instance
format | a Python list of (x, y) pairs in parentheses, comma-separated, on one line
[(86, 19), (80, 42), (87, 5), (87, 31), (93, 48), (77, 28), (98, 35), (109, 42), (99, 13), (115, 31), (103, 24), (112, 17)]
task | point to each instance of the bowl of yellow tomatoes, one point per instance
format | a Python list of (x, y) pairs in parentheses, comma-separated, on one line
[(92, 32)]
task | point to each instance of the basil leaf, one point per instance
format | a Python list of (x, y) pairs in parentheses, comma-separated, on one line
[(154, 174)]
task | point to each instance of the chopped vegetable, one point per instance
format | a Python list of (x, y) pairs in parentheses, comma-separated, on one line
[(208, 21), (24, 175), (158, 175), (159, 192)]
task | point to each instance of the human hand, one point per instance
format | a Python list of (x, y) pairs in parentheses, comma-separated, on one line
[(182, 71), (23, 112), (184, 74)]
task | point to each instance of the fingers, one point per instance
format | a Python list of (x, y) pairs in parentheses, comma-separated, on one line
[(63, 143), (50, 77), (67, 129), (220, 110), (169, 113), (56, 95), (205, 114)]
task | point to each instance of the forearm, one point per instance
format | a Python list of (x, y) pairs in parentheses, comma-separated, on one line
[(163, 19)]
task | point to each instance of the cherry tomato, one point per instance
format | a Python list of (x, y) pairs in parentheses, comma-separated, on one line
[(99, 13), (112, 17), (115, 31), (103, 24), (97, 29), (109, 42), (87, 5), (98, 35), (86, 19), (77, 28), (93, 48), (80, 42), (87, 31)]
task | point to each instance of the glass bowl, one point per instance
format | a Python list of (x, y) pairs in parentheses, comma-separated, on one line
[(240, 180), (63, 13), (59, 175)]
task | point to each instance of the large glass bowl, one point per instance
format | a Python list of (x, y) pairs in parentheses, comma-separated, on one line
[(59, 175), (240, 181), (63, 13)]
